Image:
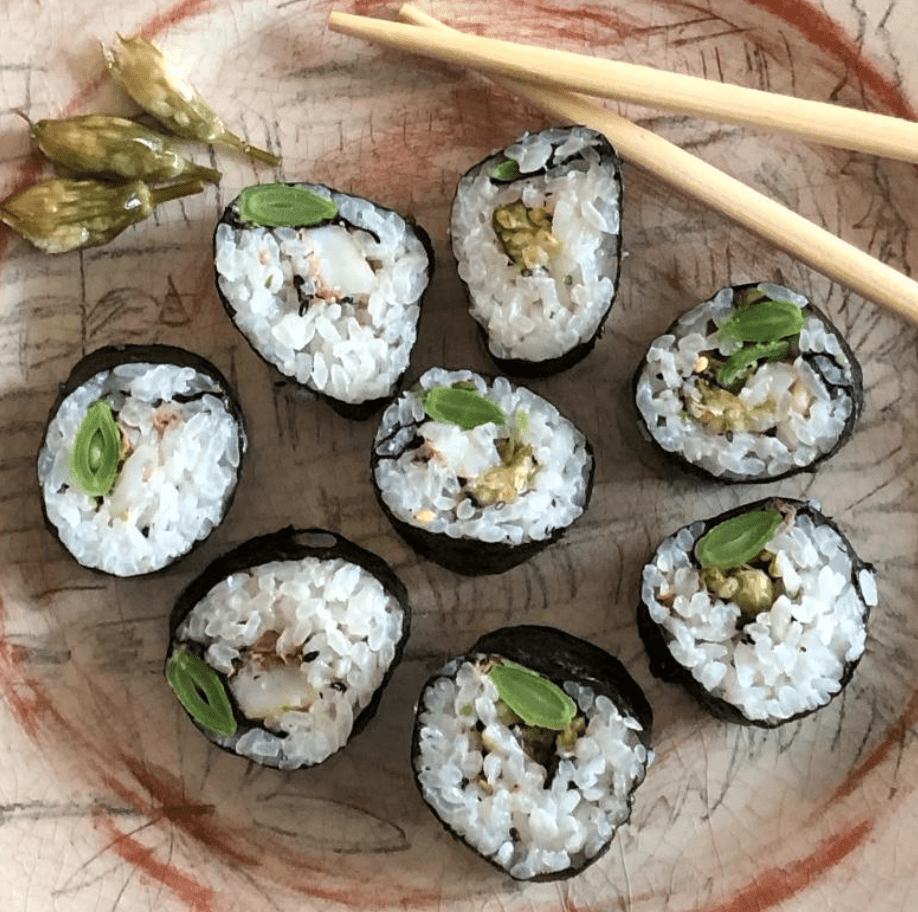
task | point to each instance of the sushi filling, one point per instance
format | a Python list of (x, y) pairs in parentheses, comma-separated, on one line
[(516, 481), (303, 646), (180, 450), (789, 407), (539, 253), (531, 799), (773, 637), (335, 306)]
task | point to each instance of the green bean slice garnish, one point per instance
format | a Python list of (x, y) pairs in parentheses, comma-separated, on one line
[(746, 357), (283, 205), (735, 541), (535, 699), (96, 450), (764, 321), (508, 170), (200, 690), (462, 406)]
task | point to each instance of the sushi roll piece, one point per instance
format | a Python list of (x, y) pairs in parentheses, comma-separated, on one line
[(536, 235), (479, 475), (326, 287), (753, 385), (140, 457), (529, 750), (761, 613), (280, 650)]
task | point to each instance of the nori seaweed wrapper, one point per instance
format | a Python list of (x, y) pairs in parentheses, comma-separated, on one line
[(288, 544), (466, 555), (559, 657), (557, 136), (111, 356), (827, 366), (665, 667), (355, 411)]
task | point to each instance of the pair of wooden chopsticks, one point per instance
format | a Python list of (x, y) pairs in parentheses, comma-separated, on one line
[(546, 77)]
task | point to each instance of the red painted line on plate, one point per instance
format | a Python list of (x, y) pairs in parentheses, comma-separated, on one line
[(782, 882), (197, 896), (892, 738), (27, 699), (170, 802), (824, 32)]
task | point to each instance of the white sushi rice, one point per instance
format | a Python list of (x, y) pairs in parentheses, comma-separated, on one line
[(354, 339), (791, 658), (430, 491), (304, 644), (172, 488), (475, 774), (797, 418), (545, 312)]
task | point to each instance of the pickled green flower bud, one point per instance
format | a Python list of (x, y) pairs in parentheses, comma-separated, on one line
[(148, 77), (58, 215), (114, 147)]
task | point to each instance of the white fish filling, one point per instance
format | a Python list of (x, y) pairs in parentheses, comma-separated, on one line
[(789, 659), (794, 417), (304, 644), (173, 486), (348, 331), (428, 490), (544, 312), (485, 786)]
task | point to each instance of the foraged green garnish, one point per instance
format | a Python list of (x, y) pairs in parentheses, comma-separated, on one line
[(764, 321), (535, 699), (506, 171), (142, 70), (114, 147), (462, 406), (59, 215), (200, 690), (751, 588), (525, 234), (746, 357), (735, 541), (512, 477), (282, 205), (96, 450)]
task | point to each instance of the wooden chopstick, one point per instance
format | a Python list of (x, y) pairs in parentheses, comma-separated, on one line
[(818, 248), (849, 128)]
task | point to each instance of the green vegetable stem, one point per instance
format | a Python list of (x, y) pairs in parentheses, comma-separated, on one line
[(200, 690), (764, 321), (735, 541), (507, 170), (277, 205), (96, 450), (535, 699), (462, 406)]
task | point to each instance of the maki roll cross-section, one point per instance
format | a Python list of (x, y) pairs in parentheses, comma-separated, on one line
[(761, 613), (326, 287), (529, 750), (140, 458), (753, 385), (280, 650), (479, 475), (536, 232)]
